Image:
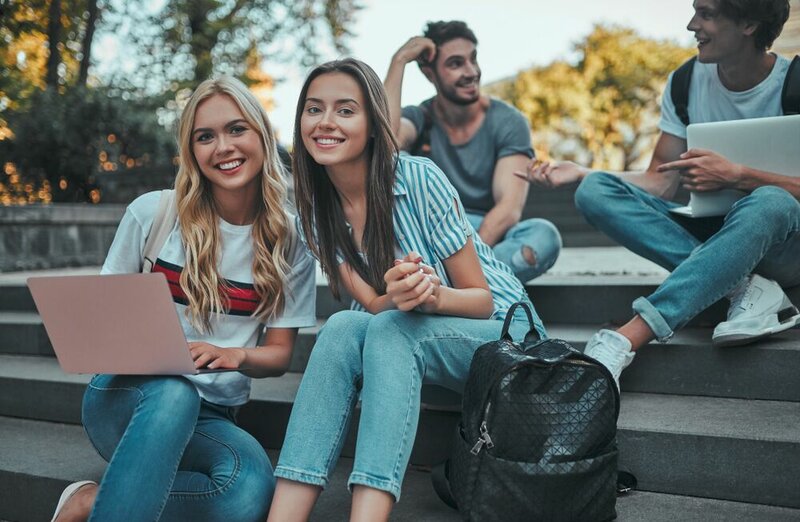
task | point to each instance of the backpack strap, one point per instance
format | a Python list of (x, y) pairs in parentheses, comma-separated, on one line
[(790, 95), (679, 91), (440, 476), (424, 137), (163, 221)]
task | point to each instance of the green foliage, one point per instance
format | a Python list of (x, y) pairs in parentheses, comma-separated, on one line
[(603, 109), (188, 41), (66, 139), (56, 139)]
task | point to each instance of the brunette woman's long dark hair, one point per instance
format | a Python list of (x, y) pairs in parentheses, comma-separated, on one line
[(318, 203)]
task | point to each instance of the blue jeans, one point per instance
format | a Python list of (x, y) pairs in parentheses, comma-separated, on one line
[(388, 357), (172, 456), (539, 235), (707, 257)]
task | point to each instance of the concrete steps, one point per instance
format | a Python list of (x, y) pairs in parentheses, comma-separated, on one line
[(758, 371), (654, 430), (26, 475), (712, 434)]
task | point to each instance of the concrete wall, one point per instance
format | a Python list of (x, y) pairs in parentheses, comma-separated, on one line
[(55, 236)]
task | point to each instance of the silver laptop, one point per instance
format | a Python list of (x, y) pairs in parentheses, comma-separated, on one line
[(118, 324), (768, 144)]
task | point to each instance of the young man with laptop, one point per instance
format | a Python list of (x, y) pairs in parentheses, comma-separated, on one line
[(748, 253)]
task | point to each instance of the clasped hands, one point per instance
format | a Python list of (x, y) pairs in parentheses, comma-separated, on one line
[(412, 284)]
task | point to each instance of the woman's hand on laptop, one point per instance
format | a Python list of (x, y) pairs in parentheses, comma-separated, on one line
[(207, 355), (703, 170)]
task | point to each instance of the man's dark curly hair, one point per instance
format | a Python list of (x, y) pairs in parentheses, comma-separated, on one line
[(442, 32), (769, 14)]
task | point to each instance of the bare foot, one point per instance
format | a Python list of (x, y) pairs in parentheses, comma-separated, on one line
[(79, 505), (529, 255)]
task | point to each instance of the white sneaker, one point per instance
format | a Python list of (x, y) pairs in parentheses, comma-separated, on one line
[(758, 308), (612, 350)]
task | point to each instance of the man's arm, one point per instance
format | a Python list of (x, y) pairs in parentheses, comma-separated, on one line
[(509, 194), (703, 170), (416, 48), (661, 182)]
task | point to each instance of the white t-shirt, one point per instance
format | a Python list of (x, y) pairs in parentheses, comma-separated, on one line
[(236, 328), (710, 101)]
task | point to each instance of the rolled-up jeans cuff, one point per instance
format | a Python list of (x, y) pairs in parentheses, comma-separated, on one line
[(653, 318), (364, 479), (297, 475)]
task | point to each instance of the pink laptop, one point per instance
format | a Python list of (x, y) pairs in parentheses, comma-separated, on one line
[(118, 324)]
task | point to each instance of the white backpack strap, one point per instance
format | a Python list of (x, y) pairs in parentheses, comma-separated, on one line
[(164, 220)]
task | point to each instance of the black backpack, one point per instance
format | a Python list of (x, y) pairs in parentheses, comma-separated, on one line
[(682, 78), (537, 438)]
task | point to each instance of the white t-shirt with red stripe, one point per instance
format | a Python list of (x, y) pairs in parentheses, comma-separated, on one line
[(233, 329)]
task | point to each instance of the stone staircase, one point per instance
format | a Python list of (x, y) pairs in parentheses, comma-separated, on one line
[(710, 434), (557, 206)]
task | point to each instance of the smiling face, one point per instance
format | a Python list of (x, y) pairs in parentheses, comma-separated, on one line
[(719, 38), (335, 123), (456, 72), (228, 150)]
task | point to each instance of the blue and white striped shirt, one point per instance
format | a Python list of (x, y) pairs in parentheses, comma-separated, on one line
[(430, 220)]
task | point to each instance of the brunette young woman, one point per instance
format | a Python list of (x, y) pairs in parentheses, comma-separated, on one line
[(391, 231)]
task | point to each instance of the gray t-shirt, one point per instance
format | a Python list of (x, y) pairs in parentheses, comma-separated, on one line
[(470, 166)]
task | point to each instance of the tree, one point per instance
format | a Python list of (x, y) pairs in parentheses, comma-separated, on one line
[(190, 40), (63, 140), (59, 127), (603, 109)]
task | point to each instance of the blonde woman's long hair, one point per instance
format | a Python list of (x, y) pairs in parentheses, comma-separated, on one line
[(198, 216)]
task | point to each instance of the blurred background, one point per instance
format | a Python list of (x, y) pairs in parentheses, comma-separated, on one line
[(90, 90)]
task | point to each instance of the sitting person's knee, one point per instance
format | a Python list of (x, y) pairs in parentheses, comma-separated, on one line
[(545, 244), (773, 205), (589, 196)]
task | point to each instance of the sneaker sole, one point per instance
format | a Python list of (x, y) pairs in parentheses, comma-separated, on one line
[(739, 339)]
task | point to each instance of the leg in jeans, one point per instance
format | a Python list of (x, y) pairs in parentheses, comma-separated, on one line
[(760, 233), (402, 351), (325, 401), (540, 235), (399, 351), (640, 221), (170, 455)]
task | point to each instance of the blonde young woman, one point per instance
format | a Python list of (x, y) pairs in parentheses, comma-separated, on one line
[(234, 264)]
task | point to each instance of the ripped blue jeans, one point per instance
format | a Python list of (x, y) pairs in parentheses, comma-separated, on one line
[(539, 235)]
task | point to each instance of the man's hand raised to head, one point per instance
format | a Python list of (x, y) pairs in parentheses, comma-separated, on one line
[(418, 48)]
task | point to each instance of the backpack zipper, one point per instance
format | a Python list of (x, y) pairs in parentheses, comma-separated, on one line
[(483, 439)]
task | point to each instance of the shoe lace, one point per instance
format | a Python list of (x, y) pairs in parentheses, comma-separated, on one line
[(741, 295)]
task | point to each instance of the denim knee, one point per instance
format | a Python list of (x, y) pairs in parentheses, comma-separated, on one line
[(548, 241), (388, 326), (340, 327), (169, 396), (590, 197), (110, 401), (773, 208)]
